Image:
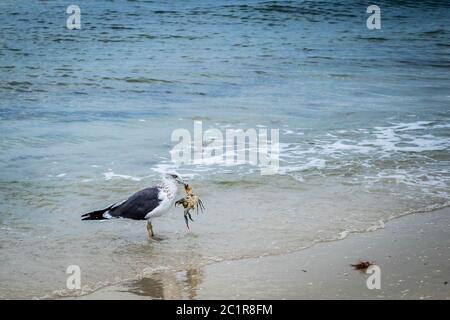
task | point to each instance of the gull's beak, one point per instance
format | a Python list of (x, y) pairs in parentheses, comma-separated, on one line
[(180, 181)]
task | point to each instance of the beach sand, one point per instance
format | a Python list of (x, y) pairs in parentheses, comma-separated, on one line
[(412, 253)]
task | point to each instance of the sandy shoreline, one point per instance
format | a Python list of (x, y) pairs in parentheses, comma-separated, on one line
[(412, 253)]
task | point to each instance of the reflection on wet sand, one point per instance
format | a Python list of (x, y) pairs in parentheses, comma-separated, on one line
[(167, 285)]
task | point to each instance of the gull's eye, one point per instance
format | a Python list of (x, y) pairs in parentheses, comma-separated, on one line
[(174, 176)]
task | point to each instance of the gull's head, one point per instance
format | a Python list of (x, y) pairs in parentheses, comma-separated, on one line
[(173, 176)]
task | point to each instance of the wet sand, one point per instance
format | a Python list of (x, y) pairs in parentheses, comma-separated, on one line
[(413, 253)]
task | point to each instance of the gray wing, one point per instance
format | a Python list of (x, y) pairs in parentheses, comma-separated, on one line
[(138, 205)]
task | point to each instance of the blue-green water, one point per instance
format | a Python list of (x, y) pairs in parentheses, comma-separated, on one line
[(86, 117)]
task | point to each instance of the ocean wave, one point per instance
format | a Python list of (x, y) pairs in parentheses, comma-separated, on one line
[(398, 153)]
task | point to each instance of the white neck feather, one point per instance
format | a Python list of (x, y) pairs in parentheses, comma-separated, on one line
[(170, 187)]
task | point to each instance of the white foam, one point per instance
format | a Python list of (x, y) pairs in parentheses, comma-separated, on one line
[(61, 175), (330, 152), (418, 125), (164, 167), (345, 145), (442, 126), (314, 163), (149, 270), (343, 234), (111, 175), (378, 226)]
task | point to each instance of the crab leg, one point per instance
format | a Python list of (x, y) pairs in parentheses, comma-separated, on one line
[(186, 218), (200, 203)]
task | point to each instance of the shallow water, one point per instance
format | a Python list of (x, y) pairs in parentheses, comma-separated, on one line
[(86, 118)]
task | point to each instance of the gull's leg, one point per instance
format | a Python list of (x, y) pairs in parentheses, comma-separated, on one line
[(150, 230), (151, 234)]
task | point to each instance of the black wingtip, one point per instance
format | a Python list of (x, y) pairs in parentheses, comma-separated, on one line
[(94, 215)]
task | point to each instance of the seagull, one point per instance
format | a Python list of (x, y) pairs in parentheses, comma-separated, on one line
[(145, 204)]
